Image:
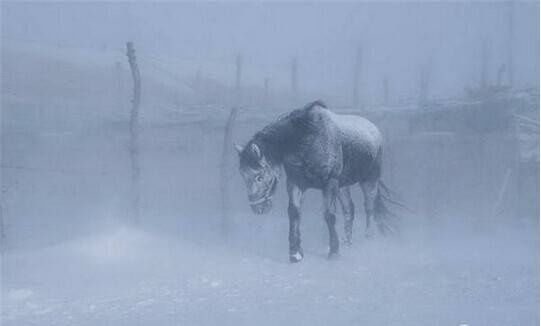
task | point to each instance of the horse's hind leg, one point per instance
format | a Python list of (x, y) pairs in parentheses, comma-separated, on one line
[(375, 209), (294, 211), (370, 191), (348, 209), (330, 192)]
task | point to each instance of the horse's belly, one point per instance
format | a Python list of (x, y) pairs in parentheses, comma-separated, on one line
[(304, 177), (357, 167)]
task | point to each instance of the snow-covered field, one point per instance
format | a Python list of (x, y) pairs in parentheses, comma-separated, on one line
[(72, 257), (125, 276)]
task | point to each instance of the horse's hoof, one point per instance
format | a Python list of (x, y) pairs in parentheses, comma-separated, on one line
[(386, 229), (346, 242), (333, 255), (369, 233), (295, 258)]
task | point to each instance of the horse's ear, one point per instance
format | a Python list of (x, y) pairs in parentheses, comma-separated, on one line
[(238, 148), (255, 149)]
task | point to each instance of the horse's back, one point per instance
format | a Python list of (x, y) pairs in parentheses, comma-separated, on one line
[(347, 146), (358, 131), (361, 147)]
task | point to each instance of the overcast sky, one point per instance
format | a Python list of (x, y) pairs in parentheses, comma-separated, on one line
[(397, 39)]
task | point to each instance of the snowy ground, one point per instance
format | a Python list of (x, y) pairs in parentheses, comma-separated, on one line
[(125, 276), (67, 263)]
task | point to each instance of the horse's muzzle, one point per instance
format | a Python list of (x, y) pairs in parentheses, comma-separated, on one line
[(262, 207), (263, 204)]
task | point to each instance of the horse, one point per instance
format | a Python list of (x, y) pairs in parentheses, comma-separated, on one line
[(318, 149)]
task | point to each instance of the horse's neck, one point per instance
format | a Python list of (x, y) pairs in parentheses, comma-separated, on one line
[(272, 150), (276, 139)]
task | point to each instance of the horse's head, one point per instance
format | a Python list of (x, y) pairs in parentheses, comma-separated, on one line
[(260, 177)]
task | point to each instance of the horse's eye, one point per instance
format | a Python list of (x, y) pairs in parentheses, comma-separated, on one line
[(258, 178)]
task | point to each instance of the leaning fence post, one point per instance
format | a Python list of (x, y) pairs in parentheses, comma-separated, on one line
[(357, 78), (294, 80), (238, 79), (385, 90), (510, 43), (134, 133), (266, 92), (225, 169), (2, 224)]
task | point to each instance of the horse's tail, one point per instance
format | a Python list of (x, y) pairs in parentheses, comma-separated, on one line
[(386, 218), (390, 196)]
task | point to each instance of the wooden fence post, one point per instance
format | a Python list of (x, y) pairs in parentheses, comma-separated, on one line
[(225, 174), (501, 71), (2, 224), (266, 92), (294, 80), (357, 66), (510, 32), (238, 80), (425, 74), (386, 90), (485, 57), (2, 195), (134, 133)]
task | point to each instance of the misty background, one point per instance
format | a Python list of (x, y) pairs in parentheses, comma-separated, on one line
[(453, 86)]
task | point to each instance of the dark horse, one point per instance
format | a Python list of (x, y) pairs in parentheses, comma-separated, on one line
[(322, 150)]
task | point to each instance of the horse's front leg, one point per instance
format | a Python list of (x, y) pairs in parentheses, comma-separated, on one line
[(295, 194), (330, 192)]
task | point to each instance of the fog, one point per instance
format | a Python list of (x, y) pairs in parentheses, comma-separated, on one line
[(107, 221)]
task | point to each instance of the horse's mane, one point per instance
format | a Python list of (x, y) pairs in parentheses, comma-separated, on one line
[(284, 118), (275, 130), (315, 103)]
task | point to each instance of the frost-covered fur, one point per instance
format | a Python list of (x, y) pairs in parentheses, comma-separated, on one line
[(317, 149)]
